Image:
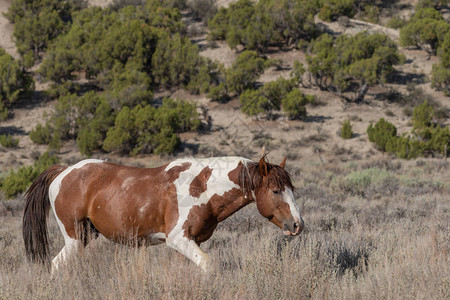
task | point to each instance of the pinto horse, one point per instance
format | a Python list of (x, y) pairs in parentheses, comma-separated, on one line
[(179, 203)]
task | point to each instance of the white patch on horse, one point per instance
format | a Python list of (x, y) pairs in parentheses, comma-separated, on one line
[(143, 208), (70, 244), (217, 184), (288, 197), (127, 182)]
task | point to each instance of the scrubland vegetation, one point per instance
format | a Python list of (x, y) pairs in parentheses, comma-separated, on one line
[(375, 199), (426, 136)]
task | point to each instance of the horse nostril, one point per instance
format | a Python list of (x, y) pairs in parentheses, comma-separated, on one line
[(288, 226), (297, 228)]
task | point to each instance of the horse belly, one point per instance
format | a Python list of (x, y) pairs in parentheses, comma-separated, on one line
[(155, 238), (124, 218)]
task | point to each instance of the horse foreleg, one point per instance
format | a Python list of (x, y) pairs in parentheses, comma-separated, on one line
[(189, 249)]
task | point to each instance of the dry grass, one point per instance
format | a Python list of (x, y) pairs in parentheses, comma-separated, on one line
[(388, 243)]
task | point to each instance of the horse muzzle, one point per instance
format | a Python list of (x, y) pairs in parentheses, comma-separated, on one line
[(293, 228)]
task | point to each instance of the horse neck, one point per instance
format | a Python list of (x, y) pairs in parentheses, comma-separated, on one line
[(238, 196), (229, 204)]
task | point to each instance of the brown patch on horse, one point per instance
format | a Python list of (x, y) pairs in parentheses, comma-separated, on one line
[(234, 174), (203, 219), (34, 223), (123, 203), (226, 205), (199, 184), (173, 173), (200, 223)]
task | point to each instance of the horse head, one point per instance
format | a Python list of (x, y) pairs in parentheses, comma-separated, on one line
[(274, 195)]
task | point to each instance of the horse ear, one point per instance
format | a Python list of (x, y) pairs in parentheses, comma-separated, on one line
[(263, 166), (283, 163)]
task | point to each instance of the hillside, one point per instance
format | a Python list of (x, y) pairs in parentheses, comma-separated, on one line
[(239, 134)]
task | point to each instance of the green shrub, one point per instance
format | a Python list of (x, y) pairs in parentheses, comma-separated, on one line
[(86, 119), (244, 71), (126, 85), (18, 181), (40, 134), (146, 129), (440, 78), (440, 140), (405, 147), (371, 13), (276, 91), (258, 25), (3, 112), (437, 4), (422, 116), (332, 9), (440, 74), (203, 9), (346, 131), (294, 104), (94, 128), (364, 58), (13, 82), (176, 62), (326, 13), (381, 133), (44, 161), (428, 138), (253, 103), (218, 92), (124, 51), (37, 23), (297, 72), (268, 98), (426, 29), (396, 22), (8, 141)]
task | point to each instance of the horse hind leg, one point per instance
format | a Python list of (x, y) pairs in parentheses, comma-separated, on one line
[(70, 246), (85, 232)]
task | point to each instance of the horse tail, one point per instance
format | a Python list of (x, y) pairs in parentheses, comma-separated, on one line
[(34, 223)]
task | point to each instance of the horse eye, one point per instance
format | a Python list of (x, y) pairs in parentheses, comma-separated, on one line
[(276, 192)]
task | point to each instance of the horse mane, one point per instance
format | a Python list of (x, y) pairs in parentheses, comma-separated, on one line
[(251, 179)]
